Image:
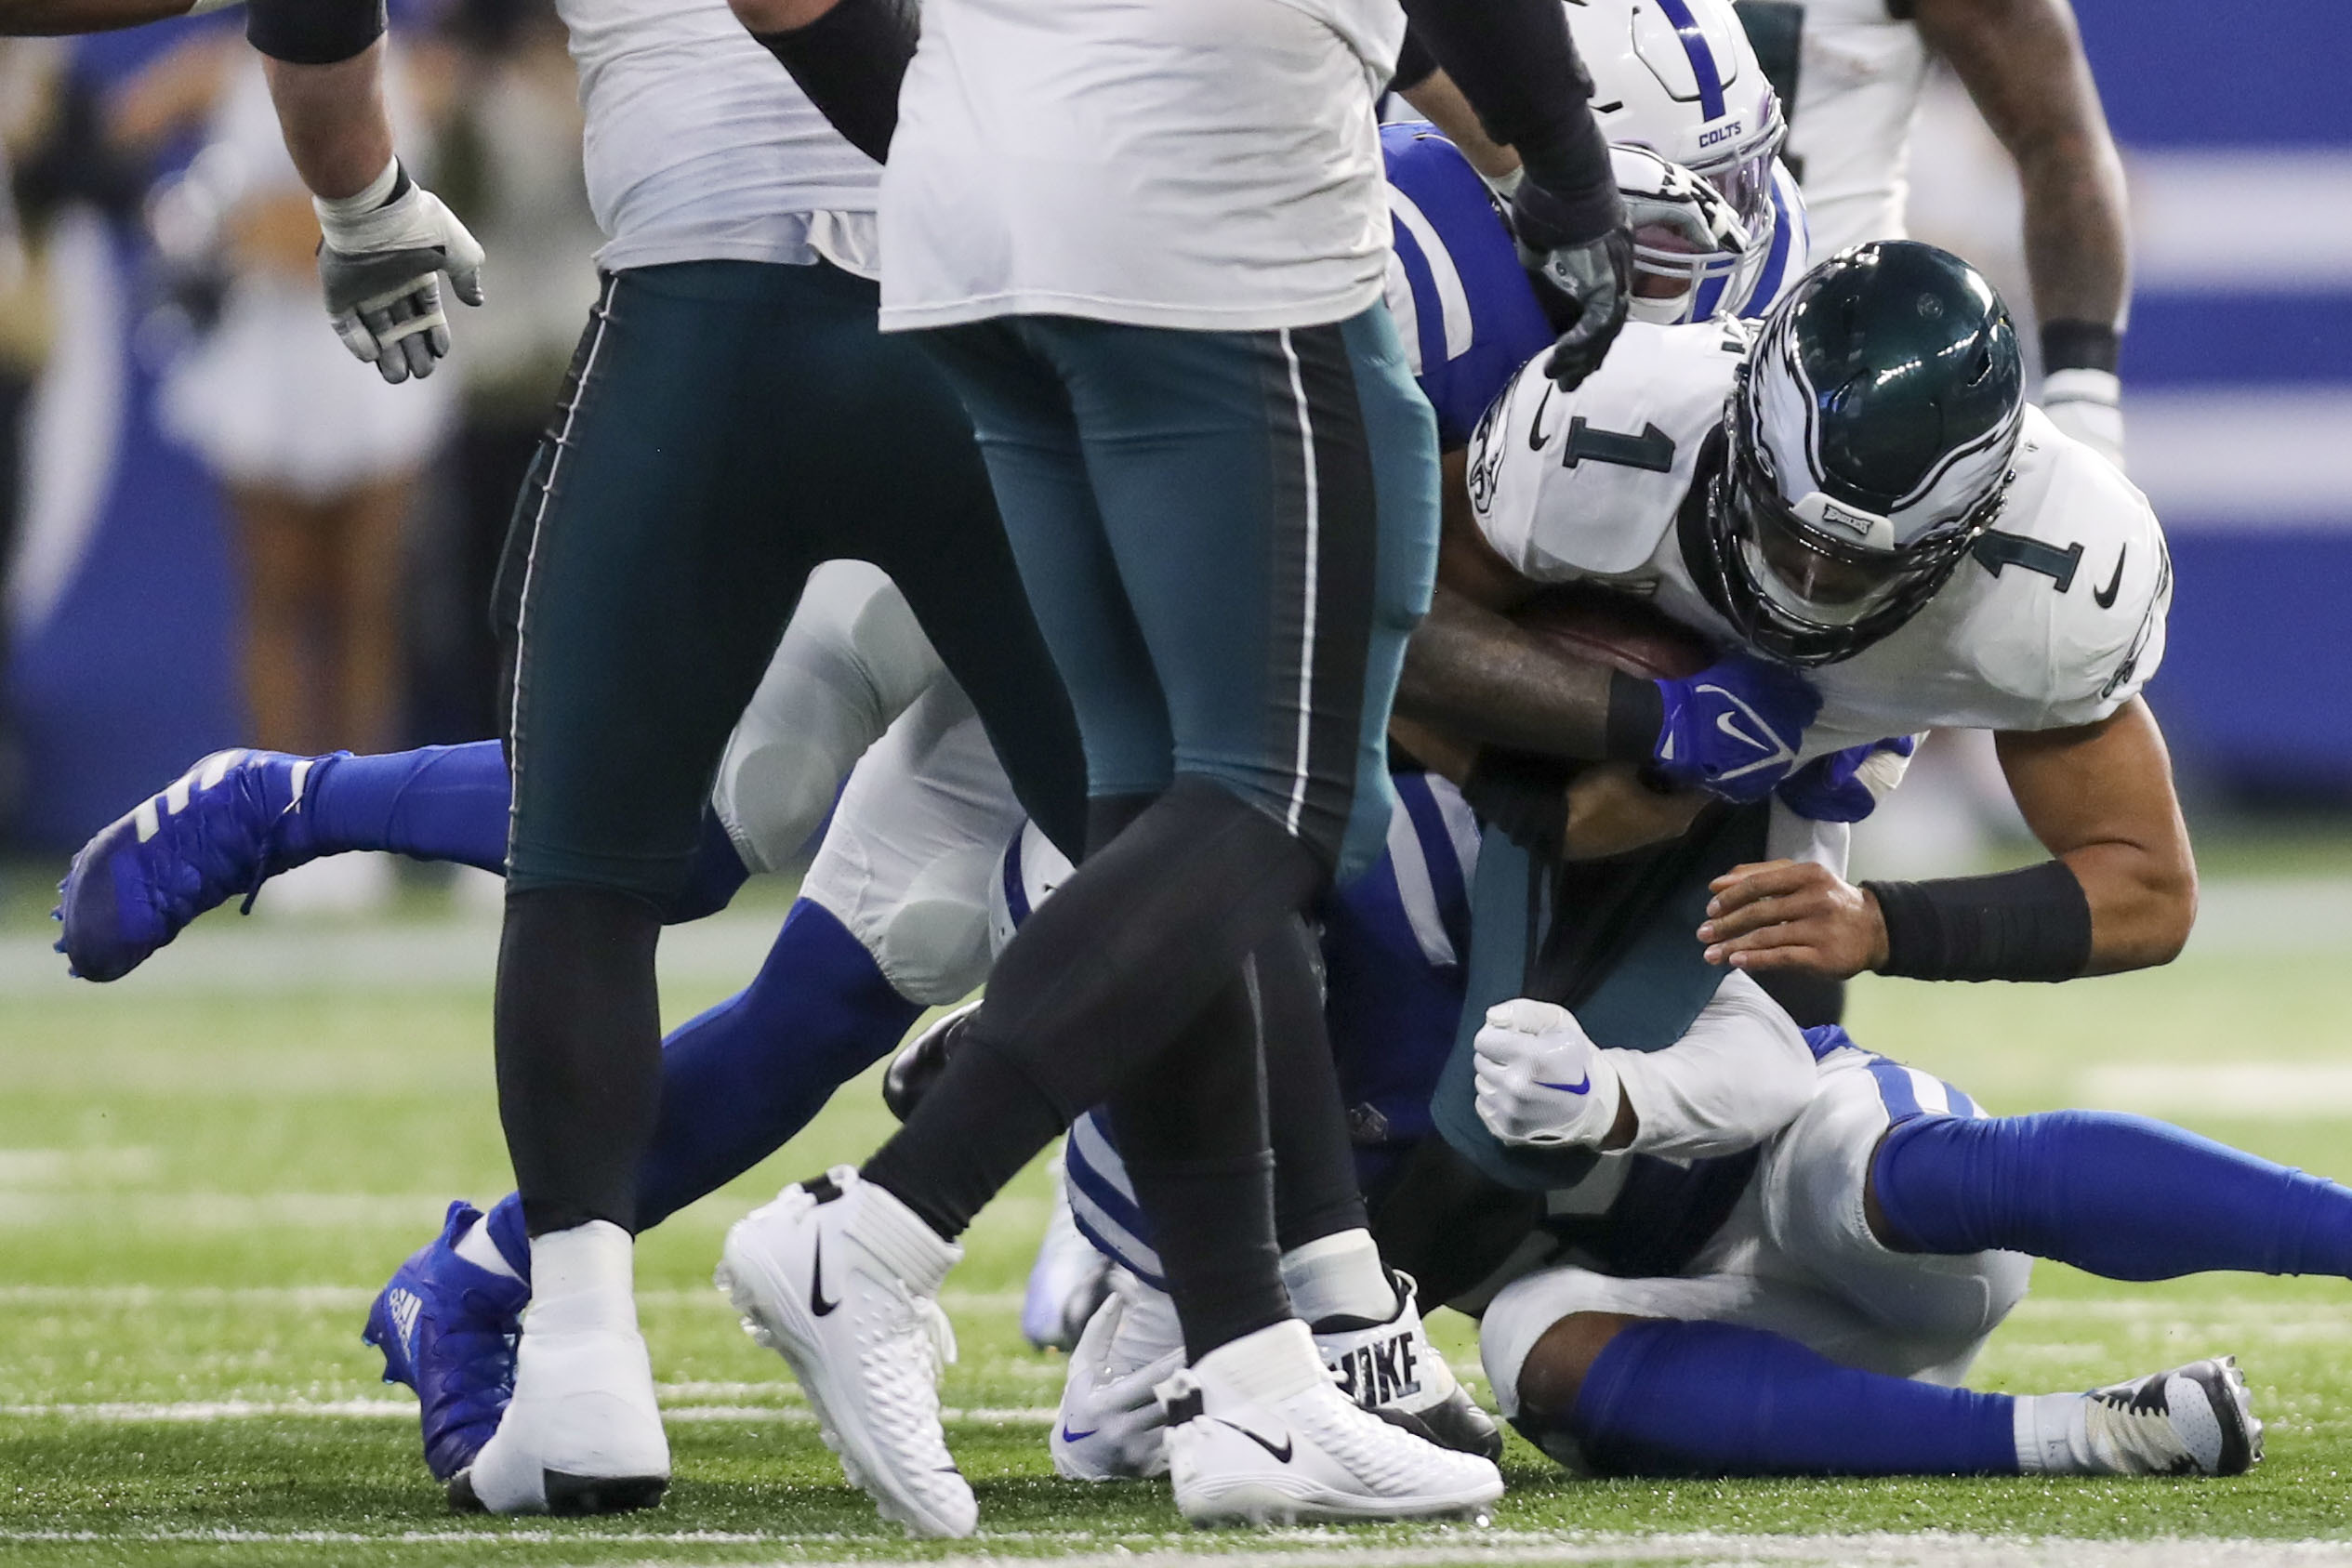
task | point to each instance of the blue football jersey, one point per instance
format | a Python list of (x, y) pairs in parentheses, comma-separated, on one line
[(1463, 305)]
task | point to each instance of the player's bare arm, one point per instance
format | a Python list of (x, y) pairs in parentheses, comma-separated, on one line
[(1441, 102), (2022, 62), (2099, 797), (338, 130)]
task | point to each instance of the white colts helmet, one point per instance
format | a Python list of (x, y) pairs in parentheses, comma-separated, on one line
[(1680, 79)]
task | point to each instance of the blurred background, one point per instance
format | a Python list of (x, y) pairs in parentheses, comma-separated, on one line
[(216, 530)]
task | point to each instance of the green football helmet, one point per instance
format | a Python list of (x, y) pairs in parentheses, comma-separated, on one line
[(1868, 439)]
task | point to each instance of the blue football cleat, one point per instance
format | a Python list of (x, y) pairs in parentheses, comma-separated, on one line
[(447, 1328), (222, 828)]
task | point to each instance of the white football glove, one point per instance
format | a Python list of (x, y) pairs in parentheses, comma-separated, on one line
[(1111, 1426), (2088, 405), (1541, 1080), (380, 257)]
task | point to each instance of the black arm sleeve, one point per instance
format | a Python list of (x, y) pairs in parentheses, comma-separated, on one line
[(851, 61), (1516, 62), (313, 31), (1414, 64), (2033, 924)]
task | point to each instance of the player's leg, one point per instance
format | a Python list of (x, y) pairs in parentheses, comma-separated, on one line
[(662, 567)]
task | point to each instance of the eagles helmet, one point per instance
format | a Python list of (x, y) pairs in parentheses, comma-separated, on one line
[(1868, 436)]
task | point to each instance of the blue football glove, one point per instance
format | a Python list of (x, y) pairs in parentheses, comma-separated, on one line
[(1733, 730), (1846, 786)]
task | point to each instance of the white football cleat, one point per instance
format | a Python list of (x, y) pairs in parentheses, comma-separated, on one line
[(2193, 1420), (1258, 1433), (841, 1279), (582, 1434), (1111, 1426), (1392, 1370), (1067, 1281)]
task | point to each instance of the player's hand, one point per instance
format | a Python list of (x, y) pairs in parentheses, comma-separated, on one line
[(1541, 1080), (381, 254), (1113, 1425), (1591, 276), (2088, 405), (1793, 915), (1733, 730), (1846, 786)]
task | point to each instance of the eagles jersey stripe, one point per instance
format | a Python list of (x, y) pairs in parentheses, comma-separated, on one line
[(1464, 304), (2056, 620)]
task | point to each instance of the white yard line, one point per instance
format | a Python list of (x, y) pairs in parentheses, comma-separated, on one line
[(124, 1412), (2257, 1090), (1326, 1549), (341, 1298)]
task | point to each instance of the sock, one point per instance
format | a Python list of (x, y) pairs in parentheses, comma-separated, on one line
[(1315, 1187), (2120, 1196), (585, 1280), (440, 803), (577, 1027), (738, 1081), (1340, 1277), (1717, 1398), (2053, 1436), (480, 1247), (1098, 982), (1191, 1126)]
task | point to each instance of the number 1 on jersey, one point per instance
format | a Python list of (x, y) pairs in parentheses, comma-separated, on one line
[(1652, 450)]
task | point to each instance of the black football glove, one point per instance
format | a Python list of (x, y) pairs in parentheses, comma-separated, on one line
[(1590, 278)]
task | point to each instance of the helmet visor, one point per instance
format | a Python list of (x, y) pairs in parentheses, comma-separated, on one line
[(1811, 577), (1743, 175)]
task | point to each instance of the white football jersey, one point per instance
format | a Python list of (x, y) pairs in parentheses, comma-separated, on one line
[(1212, 164), (1860, 74), (699, 147), (2056, 619)]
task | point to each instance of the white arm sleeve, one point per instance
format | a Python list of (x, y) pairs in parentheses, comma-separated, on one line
[(1738, 1075)]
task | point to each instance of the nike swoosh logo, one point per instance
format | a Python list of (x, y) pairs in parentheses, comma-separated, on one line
[(1582, 1085), (1536, 438), (817, 1303), (2105, 595), (1069, 1436), (1777, 751), (1281, 1455), (1730, 726)]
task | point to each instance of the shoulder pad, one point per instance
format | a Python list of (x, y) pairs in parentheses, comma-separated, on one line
[(1586, 483)]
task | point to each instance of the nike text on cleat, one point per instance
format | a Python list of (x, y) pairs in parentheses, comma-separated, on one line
[(447, 1330), (2193, 1420), (1259, 1433), (841, 1279), (216, 832), (582, 1433), (1392, 1370)]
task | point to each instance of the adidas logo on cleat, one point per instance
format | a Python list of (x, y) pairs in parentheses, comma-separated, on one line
[(1379, 1373), (404, 1306)]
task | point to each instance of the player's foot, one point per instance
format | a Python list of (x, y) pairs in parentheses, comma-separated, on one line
[(2193, 1420), (1066, 1283), (220, 829), (918, 1065), (1259, 1433), (841, 1279), (1111, 1426), (1392, 1370), (582, 1434), (447, 1329)]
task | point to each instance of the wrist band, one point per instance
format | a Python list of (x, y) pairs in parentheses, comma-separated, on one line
[(1637, 712), (313, 31), (2079, 346), (2033, 924)]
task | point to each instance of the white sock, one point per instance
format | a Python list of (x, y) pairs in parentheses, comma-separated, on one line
[(1340, 1276), (476, 1247), (582, 1280), (2053, 1435), (1274, 1363)]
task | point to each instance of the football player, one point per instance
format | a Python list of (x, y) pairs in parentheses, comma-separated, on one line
[(1852, 71)]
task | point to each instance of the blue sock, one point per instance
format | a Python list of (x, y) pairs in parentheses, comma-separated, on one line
[(509, 1234), (2121, 1196), (441, 803), (1707, 1399), (717, 872), (741, 1079)]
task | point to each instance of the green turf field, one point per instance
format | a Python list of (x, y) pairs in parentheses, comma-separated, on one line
[(206, 1170)]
